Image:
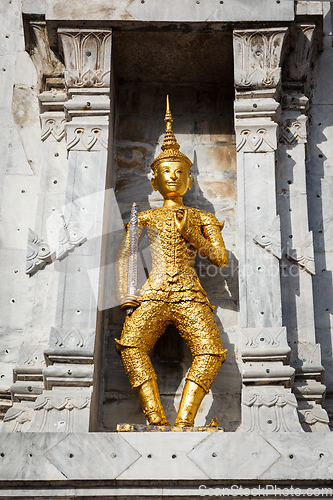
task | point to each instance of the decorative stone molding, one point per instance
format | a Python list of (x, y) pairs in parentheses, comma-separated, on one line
[(270, 238), (60, 411), (38, 253), (75, 345), (265, 356), (269, 409), (49, 68), (255, 126), (53, 124), (257, 56), (293, 130), (28, 373), (314, 419), (87, 137), (267, 373), (308, 387), (68, 239), (17, 418), (69, 357), (307, 359), (303, 254), (254, 139), (265, 344), (87, 56), (26, 390)]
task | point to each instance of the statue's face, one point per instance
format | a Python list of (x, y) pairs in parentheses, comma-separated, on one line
[(172, 179)]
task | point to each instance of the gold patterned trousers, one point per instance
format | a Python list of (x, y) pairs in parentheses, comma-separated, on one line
[(196, 324)]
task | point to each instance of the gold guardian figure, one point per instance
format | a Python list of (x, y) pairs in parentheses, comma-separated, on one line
[(172, 295)]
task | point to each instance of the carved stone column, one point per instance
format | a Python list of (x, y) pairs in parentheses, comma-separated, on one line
[(68, 374), (41, 249), (298, 264), (267, 401)]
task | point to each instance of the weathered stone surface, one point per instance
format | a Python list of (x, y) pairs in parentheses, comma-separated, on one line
[(207, 10)]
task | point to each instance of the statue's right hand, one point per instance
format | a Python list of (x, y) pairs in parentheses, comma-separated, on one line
[(130, 301)]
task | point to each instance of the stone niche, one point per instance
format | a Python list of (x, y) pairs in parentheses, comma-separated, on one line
[(195, 67)]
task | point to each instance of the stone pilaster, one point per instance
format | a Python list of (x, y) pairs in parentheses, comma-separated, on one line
[(68, 375), (56, 365), (41, 245), (267, 401), (298, 265)]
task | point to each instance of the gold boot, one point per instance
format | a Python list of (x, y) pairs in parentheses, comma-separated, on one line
[(151, 403), (192, 396)]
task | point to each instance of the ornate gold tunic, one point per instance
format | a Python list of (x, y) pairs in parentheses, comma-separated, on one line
[(173, 295), (173, 277)]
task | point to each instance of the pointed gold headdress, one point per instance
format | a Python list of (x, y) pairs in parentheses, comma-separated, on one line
[(170, 146)]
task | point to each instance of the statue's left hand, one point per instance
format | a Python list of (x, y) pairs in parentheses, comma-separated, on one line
[(182, 220)]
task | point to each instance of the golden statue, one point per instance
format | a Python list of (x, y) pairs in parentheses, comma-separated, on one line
[(172, 293)]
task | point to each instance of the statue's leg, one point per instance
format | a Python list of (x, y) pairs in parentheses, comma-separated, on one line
[(142, 377), (140, 333), (197, 326)]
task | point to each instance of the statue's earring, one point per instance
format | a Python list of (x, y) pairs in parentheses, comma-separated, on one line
[(190, 183)]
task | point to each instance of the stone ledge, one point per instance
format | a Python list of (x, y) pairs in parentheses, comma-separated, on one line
[(158, 457)]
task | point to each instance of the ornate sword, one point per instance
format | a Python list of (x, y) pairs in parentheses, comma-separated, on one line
[(132, 275)]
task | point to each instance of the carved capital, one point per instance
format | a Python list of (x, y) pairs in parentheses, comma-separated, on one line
[(270, 238), (297, 62), (257, 58), (49, 68), (87, 56)]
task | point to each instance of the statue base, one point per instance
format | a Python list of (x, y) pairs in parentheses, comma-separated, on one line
[(165, 428)]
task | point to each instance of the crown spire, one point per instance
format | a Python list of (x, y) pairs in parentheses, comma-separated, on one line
[(170, 147), (170, 141)]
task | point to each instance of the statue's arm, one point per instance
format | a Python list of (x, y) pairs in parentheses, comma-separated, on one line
[(210, 243)]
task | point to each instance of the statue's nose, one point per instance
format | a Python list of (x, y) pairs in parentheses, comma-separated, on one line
[(174, 176)]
